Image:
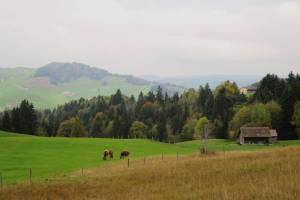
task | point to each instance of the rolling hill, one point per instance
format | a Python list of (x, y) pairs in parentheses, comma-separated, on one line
[(57, 83)]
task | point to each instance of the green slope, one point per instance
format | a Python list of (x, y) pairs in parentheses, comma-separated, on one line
[(55, 156), (51, 156), (17, 84)]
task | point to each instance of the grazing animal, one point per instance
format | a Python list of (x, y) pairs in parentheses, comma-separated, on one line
[(124, 154), (107, 153)]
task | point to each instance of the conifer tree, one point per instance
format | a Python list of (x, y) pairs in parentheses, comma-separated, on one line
[(6, 123)]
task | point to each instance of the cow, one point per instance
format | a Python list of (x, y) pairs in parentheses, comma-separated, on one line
[(124, 154), (107, 153)]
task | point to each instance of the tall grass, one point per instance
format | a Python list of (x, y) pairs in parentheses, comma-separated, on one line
[(263, 175)]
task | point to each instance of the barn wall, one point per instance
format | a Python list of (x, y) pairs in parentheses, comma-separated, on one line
[(241, 139), (256, 140), (272, 140)]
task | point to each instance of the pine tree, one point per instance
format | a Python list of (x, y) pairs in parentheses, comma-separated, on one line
[(140, 102), (125, 121), (116, 98), (209, 104), (203, 94), (222, 111), (150, 97), (50, 125), (15, 120), (6, 123), (28, 118), (159, 95), (161, 126)]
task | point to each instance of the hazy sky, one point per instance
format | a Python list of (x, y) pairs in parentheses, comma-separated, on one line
[(163, 37)]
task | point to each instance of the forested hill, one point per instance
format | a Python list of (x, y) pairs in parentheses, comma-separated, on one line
[(57, 83), (65, 72)]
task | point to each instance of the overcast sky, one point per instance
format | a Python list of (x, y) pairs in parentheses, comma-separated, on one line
[(162, 37)]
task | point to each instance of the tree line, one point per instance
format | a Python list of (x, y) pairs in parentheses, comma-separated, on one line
[(174, 118)]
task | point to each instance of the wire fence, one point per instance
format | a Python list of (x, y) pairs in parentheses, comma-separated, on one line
[(129, 162)]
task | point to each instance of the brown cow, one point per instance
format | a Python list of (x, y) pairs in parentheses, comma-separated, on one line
[(107, 153), (124, 154)]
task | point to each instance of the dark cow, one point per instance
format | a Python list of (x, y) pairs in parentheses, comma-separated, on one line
[(107, 153), (124, 154)]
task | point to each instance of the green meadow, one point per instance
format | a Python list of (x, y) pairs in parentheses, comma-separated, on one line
[(50, 157)]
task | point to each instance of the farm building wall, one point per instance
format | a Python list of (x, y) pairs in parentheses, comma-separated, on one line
[(272, 140), (256, 140)]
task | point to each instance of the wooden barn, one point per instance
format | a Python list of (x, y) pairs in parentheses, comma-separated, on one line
[(257, 135)]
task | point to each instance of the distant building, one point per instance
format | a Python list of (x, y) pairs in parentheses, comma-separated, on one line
[(257, 135), (243, 91), (248, 90)]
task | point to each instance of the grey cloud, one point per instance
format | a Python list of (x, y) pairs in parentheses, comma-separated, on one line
[(154, 37)]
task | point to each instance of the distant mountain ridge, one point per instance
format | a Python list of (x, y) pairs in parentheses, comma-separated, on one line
[(58, 72), (213, 80)]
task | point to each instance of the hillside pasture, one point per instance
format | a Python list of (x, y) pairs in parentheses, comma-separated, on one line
[(57, 156), (17, 84)]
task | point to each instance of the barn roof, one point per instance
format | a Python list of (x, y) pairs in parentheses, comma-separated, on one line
[(257, 132), (273, 133)]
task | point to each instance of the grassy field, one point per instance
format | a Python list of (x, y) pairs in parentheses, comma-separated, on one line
[(50, 157), (239, 175)]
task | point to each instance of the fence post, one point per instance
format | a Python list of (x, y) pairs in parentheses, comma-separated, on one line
[(162, 156), (177, 155), (128, 163), (30, 175)]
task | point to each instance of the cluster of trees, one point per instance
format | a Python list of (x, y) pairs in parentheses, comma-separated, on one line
[(173, 118), (286, 93), (21, 119), (275, 104), (255, 115)]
